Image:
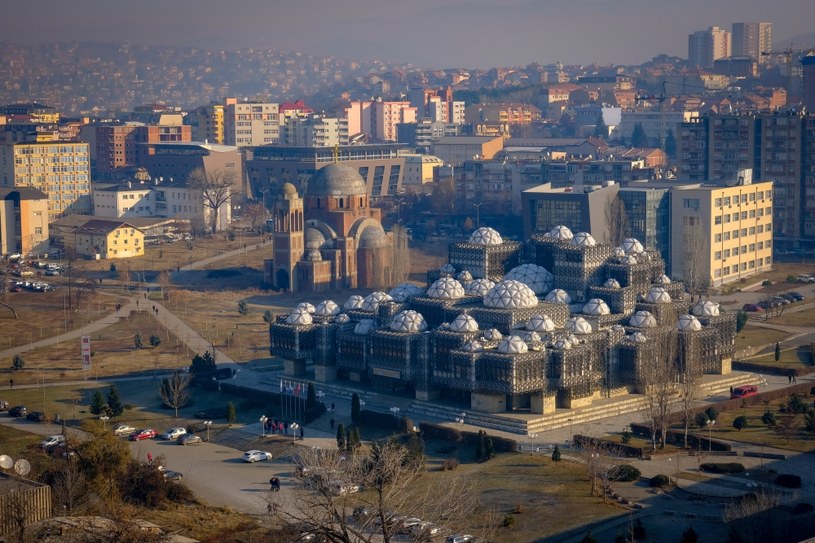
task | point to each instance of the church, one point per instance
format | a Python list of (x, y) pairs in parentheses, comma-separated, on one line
[(328, 238)]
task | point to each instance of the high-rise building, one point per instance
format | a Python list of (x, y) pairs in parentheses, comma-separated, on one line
[(808, 65), (60, 169), (23, 221), (751, 39), (705, 46), (314, 130), (378, 118), (249, 124), (207, 123)]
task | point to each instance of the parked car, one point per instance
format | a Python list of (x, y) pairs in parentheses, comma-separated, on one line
[(123, 430), (752, 308), (173, 434), (789, 297), (138, 435), (170, 475), (363, 514), (805, 278), (460, 538), (52, 441), (797, 295), (18, 411), (36, 416), (406, 526), (256, 456), (424, 531), (188, 439), (4, 405)]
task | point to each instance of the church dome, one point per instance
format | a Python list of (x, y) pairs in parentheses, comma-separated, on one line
[(478, 287), (336, 179), (373, 237), (464, 323), (446, 288), (486, 236), (299, 317), (371, 301), (512, 345), (706, 308), (540, 323), (558, 296), (510, 294), (642, 319), (688, 323), (535, 277), (327, 308), (288, 191), (314, 239), (409, 321)]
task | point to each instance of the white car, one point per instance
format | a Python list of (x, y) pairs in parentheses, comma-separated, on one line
[(173, 433), (256, 456), (52, 441), (424, 530), (338, 488), (123, 430)]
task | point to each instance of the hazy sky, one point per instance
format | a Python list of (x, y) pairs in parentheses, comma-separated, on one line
[(428, 33)]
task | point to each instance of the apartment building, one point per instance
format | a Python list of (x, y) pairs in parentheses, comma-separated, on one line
[(728, 229), (23, 221), (249, 124), (378, 118), (751, 39), (207, 123), (59, 169), (106, 239), (705, 46), (314, 130), (546, 207)]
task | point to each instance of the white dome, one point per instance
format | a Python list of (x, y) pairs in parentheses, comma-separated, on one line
[(342, 318), (478, 287), (619, 252), (354, 302), (493, 335), (663, 280), (558, 296), (584, 239), (364, 326), (371, 301), (448, 268), (510, 294), (512, 345), (465, 277), (464, 323), (688, 323), (559, 232), (409, 321), (307, 306), (632, 246), (657, 295), (446, 288), (300, 316), (486, 236), (472, 346), (706, 309), (638, 337), (540, 323), (535, 277), (578, 325), (629, 259), (327, 308), (563, 344), (596, 307), (642, 319), (530, 337), (400, 293), (611, 283)]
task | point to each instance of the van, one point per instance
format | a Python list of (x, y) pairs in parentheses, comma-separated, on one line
[(743, 392)]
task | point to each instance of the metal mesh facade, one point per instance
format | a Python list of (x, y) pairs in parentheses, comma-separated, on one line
[(295, 342), (578, 267), (485, 261), (619, 300), (352, 352)]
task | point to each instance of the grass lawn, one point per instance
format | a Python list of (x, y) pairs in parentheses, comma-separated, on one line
[(803, 318), (752, 336), (790, 358)]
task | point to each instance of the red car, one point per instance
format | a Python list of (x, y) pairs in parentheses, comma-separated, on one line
[(138, 435)]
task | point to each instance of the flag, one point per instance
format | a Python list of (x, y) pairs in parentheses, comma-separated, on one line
[(297, 390)]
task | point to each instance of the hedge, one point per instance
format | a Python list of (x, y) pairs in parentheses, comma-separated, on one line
[(770, 370), (723, 467), (624, 473), (447, 433), (788, 480), (659, 481), (695, 441), (628, 451)]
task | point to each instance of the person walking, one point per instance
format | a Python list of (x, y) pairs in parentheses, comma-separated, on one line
[(11, 383), (301, 433), (331, 422)]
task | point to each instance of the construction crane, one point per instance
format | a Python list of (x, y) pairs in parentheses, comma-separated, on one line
[(661, 100)]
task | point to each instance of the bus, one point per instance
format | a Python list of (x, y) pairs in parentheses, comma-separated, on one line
[(743, 392)]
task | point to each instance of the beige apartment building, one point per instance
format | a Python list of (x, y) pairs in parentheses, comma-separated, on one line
[(251, 123), (23, 221), (733, 239)]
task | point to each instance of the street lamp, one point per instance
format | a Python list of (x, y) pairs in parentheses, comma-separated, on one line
[(320, 395), (709, 433), (294, 426), (478, 214), (395, 410), (207, 423), (104, 419), (460, 418), (571, 435), (263, 420)]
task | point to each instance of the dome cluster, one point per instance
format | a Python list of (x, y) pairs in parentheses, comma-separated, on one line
[(578, 325), (486, 236), (558, 296), (410, 321), (642, 319), (327, 308), (510, 294), (596, 307), (306, 307), (299, 317), (353, 302), (658, 295), (541, 323), (535, 277), (371, 302), (446, 288), (688, 323), (512, 345), (561, 233), (584, 239), (632, 246), (478, 287), (401, 293), (464, 323), (706, 308)]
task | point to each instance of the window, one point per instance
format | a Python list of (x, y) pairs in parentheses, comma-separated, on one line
[(735, 234), (718, 219), (717, 202), (690, 203), (727, 236), (726, 253), (717, 255), (727, 200), (735, 251), (718, 238), (743, 232)]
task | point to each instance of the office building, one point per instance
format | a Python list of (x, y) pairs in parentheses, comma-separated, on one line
[(455, 150)]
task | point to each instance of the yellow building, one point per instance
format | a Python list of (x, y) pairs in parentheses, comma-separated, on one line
[(59, 169), (23, 221), (208, 123), (733, 239), (106, 239)]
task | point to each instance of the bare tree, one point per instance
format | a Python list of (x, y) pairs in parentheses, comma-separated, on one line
[(400, 266), (616, 221), (323, 502), (694, 248), (787, 426), (174, 391), (599, 459), (70, 488), (216, 188), (4, 292), (657, 379), (255, 213), (688, 385), (756, 518)]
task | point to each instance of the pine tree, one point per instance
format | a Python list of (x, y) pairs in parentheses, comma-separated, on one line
[(480, 448), (17, 362), (311, 397), (231, 413), (670, 144), (341, 439), (355, 410), (556, 454), (355, 440), (638, 136), (115, 402), (600, 128), (243, 309), (689, 536), (98, 404), (777, 351), (489, 449)]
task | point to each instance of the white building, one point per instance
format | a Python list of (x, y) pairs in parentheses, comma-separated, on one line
[(248, 124)]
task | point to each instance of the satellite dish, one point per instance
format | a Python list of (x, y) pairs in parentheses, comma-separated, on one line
[(5, 461), (22, 467)]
